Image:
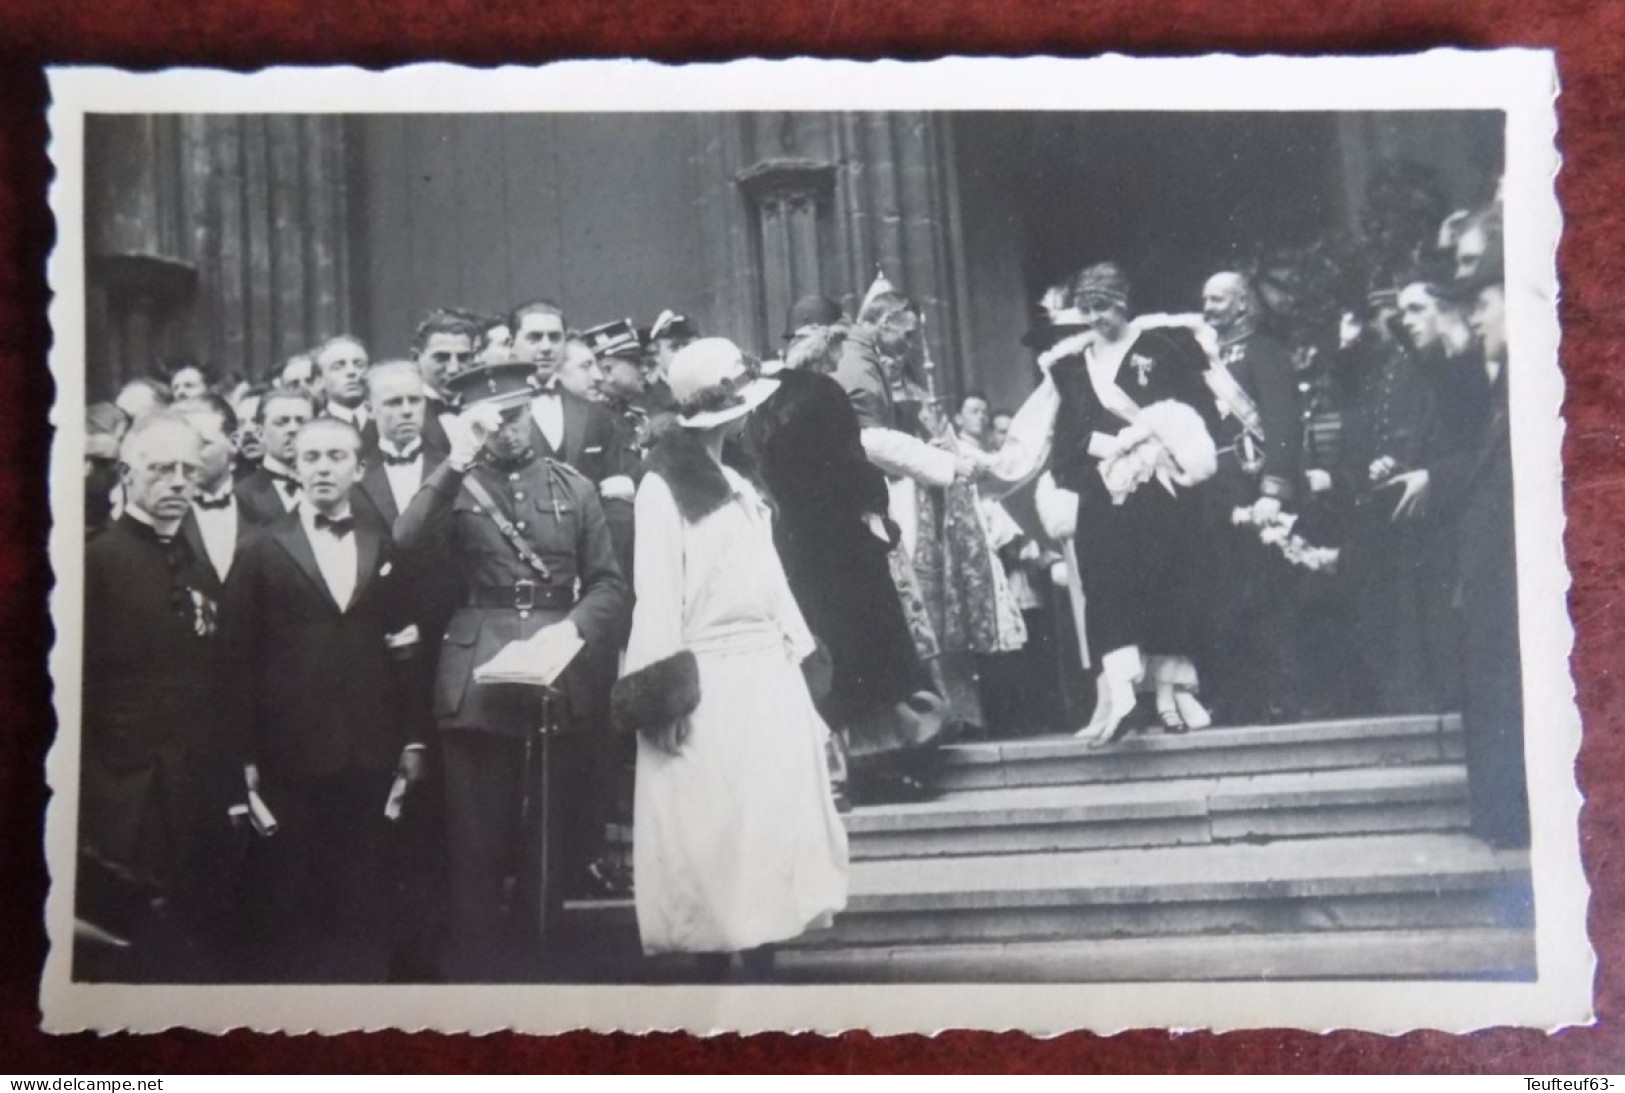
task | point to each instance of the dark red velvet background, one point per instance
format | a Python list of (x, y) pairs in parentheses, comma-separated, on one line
[(1589, 37)]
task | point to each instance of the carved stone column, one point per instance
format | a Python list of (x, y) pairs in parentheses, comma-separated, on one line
[(222, 238), (897, 211)]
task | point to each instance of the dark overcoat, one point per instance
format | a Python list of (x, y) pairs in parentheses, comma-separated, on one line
[(805, 439)]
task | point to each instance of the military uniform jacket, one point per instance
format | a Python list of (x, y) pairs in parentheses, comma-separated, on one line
[(557, 511), (1261, 366)]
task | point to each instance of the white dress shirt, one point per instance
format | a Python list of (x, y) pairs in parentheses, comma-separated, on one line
[(286, 482), (548, 410), (357, 416), (218, 527), (336, 556), (404, 478)]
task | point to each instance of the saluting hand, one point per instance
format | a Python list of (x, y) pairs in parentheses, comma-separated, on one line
[(467, 432)]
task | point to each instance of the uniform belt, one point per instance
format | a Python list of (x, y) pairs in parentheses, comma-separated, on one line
[(522, 595)]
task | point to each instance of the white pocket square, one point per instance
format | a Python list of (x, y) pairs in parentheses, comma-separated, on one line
[(386, 569)]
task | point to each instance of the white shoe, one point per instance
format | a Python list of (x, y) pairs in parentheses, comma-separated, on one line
[(1102, 716), (1192, 712)]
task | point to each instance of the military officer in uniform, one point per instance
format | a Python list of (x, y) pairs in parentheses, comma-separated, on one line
[(1251, 641), (526, 539)]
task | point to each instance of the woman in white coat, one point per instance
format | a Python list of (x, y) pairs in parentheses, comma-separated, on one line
[(736, 840)]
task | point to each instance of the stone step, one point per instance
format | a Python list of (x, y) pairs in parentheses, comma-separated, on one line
[(1452, 884), (1317, 745), (1472, 953), (1368, 882), (1040, 819)]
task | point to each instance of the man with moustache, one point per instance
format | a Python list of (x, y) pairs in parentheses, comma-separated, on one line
[(1252, 638), (149, 631), (272, 488), (578, 372), (312, 610), (341, 369), (526, 537)]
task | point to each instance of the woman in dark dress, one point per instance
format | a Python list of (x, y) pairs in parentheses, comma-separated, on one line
[(1139, 547)]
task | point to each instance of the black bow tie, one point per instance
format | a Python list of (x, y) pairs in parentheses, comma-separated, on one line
[(339, 525), (213, 503), (405, 459), (281, 479)]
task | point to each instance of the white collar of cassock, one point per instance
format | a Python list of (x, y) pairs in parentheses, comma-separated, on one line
[(165, 528)]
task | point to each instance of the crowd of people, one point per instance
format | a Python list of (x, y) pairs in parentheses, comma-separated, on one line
[(775, 586)]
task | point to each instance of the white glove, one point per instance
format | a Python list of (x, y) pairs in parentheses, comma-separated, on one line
[(1319, 481), (1057, 508), (617, 487), (468, 431)]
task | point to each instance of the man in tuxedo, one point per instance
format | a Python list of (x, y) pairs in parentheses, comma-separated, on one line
[(391, 474), (217, 525), (442, 346), (581, 434), (341, 369), (272, 489), (144, 809), (579, 372), (313, 620)]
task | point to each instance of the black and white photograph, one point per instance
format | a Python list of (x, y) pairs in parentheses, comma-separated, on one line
[(1017, 544)]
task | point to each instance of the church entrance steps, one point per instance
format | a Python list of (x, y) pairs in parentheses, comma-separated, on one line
[(1480, 953), (1320, 745), (1371, 882), (1038, 819), (1324, 850)]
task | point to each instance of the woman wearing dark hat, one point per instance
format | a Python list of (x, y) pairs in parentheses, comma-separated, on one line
[(736, 840), (1132, 436), (835, 540)]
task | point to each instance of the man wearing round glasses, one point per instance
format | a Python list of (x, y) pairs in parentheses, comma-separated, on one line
[(149, 629)]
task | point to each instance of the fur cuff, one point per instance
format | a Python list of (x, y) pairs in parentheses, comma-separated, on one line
[(656, 695)]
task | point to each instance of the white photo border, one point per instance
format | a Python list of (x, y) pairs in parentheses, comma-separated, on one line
[(1522, 83)]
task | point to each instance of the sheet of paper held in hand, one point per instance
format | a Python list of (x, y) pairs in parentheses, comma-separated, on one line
[(536, 660), (1344, 846)]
